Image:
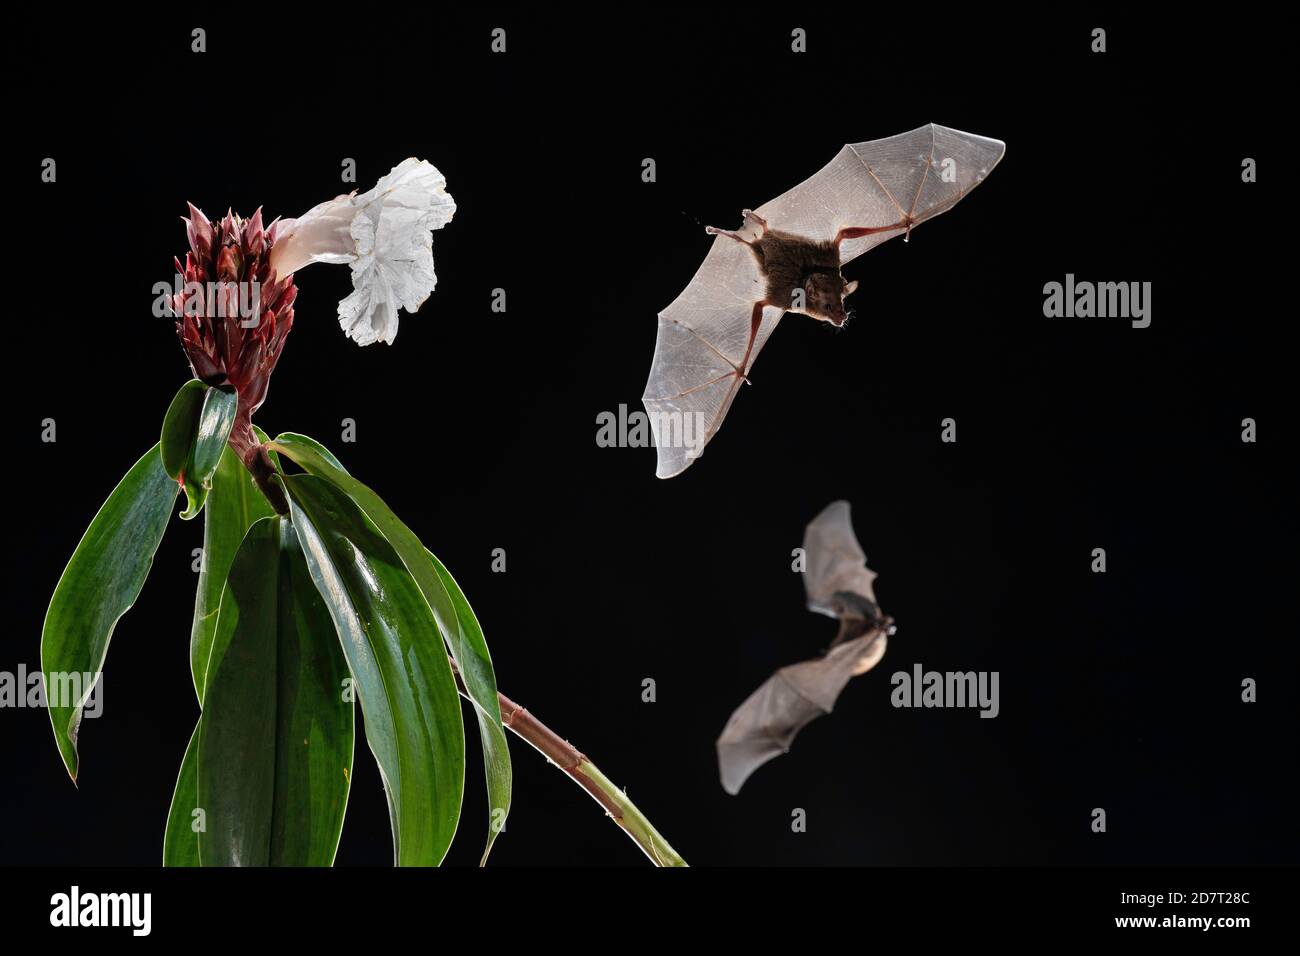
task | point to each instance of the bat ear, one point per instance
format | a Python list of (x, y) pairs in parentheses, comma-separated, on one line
[(851, 287)]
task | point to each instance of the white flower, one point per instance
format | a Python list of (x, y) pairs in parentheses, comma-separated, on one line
[(385, 235)]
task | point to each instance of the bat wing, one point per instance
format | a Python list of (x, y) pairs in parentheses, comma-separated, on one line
[(835, 560), (765, 725), (904, 179), (708, 340)]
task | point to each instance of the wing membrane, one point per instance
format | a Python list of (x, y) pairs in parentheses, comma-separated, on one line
[(835, 559), (765, 725), (705, 347), (916, 175)]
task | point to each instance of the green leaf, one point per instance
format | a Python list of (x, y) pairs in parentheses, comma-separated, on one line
[(403, 676), (308, 449), (234, 503), (100, 583), (472, 657), (181, 841), (218, 414), (450, 608), (180, 425), (275, 738), (219, 409)]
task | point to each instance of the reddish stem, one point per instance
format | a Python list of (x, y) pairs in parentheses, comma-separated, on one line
[(251, 452)]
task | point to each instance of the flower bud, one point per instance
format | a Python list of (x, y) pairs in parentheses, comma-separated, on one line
[(254, 235), (228, 264), (199, 232)]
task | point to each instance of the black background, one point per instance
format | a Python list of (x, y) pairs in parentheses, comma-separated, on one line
[(1119, 690)]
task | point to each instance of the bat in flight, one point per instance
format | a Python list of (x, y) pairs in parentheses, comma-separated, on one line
[(839, 584), (786, 257)]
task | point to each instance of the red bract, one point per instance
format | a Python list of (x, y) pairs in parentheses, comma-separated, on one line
[(233, 314)]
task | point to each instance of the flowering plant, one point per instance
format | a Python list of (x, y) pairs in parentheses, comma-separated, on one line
[(312, 593)]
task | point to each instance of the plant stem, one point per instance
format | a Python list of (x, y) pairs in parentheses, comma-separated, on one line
[(259, 465), (251, 452), (586, 775)]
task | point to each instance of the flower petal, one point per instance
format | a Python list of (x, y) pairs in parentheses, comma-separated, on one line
[(386, 235), (393, 231), (322, 234)]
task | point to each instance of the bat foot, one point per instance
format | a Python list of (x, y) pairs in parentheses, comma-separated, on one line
[(715, 231)]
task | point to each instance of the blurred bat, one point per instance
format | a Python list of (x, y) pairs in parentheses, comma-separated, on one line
[(839, 584), (787, 258)]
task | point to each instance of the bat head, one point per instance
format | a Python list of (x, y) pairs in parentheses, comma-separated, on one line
[(824, 295)]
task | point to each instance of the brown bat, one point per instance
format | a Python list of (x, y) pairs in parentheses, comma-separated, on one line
[(787, 258), (838, 584)]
